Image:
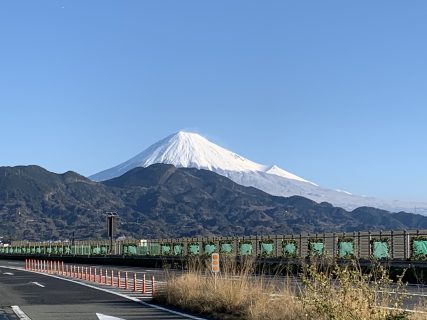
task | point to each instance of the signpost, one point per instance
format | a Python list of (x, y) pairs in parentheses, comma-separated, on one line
[(215, 265), (215, 262)]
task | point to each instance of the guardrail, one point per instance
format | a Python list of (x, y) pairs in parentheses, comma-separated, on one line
[(133, 281)]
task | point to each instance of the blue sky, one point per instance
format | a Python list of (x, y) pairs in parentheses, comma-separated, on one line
[(333, 91)]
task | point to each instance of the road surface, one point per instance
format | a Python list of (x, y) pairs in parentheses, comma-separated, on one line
[(42, 297)]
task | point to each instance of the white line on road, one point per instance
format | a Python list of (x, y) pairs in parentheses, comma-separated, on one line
[(124, 296), (9, 273), (111, 292), (21, 314), (105, 317), (38, 284)]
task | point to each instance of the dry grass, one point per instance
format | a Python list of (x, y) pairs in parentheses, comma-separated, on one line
[(341, 293)]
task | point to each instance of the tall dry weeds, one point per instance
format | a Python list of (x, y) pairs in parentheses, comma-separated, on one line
[(341, 293)]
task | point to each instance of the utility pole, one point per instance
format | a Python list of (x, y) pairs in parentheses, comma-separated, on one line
[(111, 227)]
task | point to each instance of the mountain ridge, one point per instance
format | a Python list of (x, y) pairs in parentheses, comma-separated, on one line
[(185, 149), (162, 201)]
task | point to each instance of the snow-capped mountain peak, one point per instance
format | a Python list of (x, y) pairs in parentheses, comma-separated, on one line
[(191, 150), (285, 174)]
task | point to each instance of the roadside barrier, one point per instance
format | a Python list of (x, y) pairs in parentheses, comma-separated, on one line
[(144, 286), (109, 277)]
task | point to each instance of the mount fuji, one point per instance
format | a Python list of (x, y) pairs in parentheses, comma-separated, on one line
[(191, 150)]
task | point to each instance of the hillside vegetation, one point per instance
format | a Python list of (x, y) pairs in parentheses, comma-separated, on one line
[(164, 201)]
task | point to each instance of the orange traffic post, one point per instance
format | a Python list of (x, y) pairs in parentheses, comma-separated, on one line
[(95, 278), (118, 280), (62, 268), (106, 277), (153, 288), (126, 280), (144, 286), (134, 282), (112, 278)]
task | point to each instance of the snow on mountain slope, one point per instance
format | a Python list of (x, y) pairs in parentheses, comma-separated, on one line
[(185, 149), (191, 150)]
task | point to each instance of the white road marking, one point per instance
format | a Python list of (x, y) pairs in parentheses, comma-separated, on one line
[(105, 317), (9, 273), (38, 284), (112, 292), (125, 296), (21, 314)]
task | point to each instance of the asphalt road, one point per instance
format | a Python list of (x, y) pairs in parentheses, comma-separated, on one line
[(42, 297)]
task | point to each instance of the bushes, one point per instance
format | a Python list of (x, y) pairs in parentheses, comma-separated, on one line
[(323, 293)]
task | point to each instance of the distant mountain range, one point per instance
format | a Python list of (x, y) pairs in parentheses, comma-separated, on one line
[(164, 201), (190, 150)]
